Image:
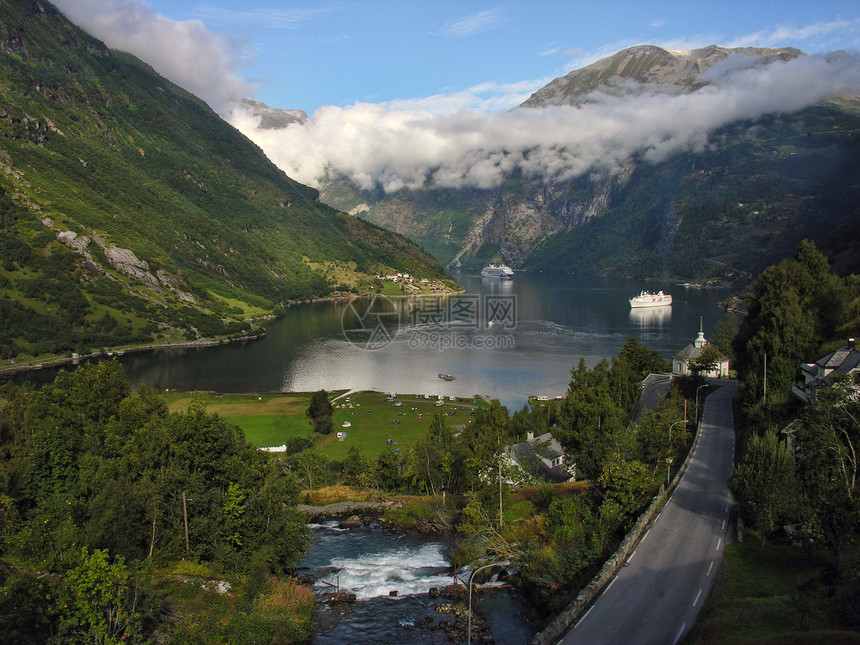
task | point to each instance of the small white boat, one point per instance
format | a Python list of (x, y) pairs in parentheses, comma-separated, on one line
[(648, 299)]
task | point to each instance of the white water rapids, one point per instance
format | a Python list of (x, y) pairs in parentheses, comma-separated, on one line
[(377, 564)]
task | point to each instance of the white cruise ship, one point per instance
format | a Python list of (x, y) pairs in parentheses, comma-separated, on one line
[(493, 271), (648, 299)]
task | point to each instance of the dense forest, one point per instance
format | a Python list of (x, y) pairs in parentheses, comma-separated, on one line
[(109, 501), (110, 506), (796, 477)]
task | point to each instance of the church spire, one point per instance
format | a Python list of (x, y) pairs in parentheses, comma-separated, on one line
[(700, 340)]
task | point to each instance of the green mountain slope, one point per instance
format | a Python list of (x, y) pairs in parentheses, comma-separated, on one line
[(740, 206), (129, 211)]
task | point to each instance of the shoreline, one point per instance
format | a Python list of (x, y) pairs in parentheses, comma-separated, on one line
[(58, 361), (290, 303)]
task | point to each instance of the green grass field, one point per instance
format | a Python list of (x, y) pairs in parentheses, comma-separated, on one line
[(373, 421), (271, 419), (772, 594), (267, 419), (267, 430)]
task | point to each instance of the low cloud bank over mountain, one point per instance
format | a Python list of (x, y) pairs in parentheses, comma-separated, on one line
[(183, 51), (408, 144), (376, 146)]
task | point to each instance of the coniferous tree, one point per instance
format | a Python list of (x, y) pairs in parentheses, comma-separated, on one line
[(590, 419)]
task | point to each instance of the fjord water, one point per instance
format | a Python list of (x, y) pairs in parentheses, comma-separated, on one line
[(543, 324)]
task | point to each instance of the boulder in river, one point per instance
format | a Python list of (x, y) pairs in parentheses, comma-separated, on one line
[(341, 597), (353, 522)]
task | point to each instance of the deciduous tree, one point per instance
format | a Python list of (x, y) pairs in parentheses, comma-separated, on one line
[(764, 483)]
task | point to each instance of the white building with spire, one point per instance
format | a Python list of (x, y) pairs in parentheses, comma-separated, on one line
[(681, 361)]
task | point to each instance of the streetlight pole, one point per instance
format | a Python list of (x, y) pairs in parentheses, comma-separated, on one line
[(471, 577), (673, 425)]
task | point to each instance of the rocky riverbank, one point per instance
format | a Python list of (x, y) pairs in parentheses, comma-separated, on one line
[(453, 619), (357, 513), (348, 510)]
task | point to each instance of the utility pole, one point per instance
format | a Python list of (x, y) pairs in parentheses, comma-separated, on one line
[(185, 518), (501, 521), (152, 540), (765, 378)]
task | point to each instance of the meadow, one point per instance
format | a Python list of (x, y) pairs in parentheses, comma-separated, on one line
[(778, 593), (373, 418)]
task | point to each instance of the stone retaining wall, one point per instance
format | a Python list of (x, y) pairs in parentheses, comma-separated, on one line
[(345, 509)]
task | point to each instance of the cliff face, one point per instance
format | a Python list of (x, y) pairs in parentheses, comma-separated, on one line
[(468, 227)]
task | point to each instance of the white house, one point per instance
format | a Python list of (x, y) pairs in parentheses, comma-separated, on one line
[(681, 361), (541, 458), (844, 361)]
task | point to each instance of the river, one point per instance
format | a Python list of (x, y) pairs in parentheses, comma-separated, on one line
[(372, 562), (542, 325)]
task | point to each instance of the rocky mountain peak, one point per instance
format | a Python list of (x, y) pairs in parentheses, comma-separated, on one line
[(273, 118), (648, 68)]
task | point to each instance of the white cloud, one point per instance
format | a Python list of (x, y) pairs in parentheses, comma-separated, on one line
[(402, 148), (473, 24), (184, 52), (465, 138), (262, 17), (820, 32)]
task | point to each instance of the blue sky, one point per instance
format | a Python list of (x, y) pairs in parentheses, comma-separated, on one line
[(304, 55), (410, 93)]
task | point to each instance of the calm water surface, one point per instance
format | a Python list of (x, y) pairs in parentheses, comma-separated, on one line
[(543, 325)]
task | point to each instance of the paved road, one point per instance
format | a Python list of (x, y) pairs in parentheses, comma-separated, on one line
[(657, 596), (650, 396)]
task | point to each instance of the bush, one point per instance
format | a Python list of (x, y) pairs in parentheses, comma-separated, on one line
[(323, 425)]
